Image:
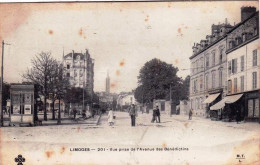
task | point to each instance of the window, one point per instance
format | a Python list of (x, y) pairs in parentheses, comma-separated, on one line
[(220, 55), (68, 74), (244, 37), (213, 59), (234, 65), (207, 81), (253, 107), (68, 66), (235, 85), (255, 31), (213, 79), (201, 82), (229, 86), (242, 60), (220, 77), (207, 61), (254, 80), (229, 67), (255, 57), (242, 83)]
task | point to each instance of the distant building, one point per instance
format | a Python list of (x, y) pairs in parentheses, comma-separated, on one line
[(80, 70), (126, 99)]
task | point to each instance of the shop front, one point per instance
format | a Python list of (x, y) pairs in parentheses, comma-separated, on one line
[(209, 101), (230, 108), (252, 106)]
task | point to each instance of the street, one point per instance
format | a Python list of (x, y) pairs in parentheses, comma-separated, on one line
[(199, 141)]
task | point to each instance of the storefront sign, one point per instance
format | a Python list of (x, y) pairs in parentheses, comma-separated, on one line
[(16, 109), (27, 109)]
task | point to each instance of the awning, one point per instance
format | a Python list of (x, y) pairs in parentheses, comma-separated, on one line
[(226, 100), (218, 105), (211, 98), (233, 98)]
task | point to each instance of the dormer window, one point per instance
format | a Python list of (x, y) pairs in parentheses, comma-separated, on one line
[(255, 31), (244, 37)]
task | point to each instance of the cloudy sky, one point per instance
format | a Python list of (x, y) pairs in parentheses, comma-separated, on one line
[(121, 37)]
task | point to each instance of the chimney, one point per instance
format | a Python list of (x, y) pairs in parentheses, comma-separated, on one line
[(226, 21), (247, 12), (72, 54)]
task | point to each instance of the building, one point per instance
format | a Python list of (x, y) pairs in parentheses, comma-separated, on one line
[(125, 99), (208, 70), (243, 68), (107, 84), (80, 70)]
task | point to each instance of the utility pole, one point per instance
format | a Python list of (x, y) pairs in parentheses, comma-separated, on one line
[(83, 105), (2, 84), (1, 90)]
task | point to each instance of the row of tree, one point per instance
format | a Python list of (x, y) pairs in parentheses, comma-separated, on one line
[(159, 80), (49, 76)]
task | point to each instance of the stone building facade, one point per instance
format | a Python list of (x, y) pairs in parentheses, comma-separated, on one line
[(208, 70), (80, 70), (244, 64)]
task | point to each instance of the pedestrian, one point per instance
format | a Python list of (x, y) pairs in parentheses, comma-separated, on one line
[(158, 114), (154, 115), (111, 117), (190, 114), (238, 115), (133, 114), (74, 113)]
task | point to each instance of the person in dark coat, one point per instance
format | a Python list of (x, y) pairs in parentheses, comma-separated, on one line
[(133, 114), (154, 115), (158, 114), (74, 113), (190, 114), (238, 116)]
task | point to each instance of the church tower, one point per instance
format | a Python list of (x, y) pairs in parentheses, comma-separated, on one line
[(107, 83)]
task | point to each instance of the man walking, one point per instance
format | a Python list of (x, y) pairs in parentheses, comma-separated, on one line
[(190, 114), (133, 114), (158, 114)]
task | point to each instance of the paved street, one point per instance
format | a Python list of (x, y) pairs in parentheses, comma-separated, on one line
[(202, 142)]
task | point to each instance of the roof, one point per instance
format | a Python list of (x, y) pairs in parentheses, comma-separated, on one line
[(219, 39), (75, 56), (237, 25)]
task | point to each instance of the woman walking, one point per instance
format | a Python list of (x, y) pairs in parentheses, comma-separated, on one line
[(111, 117)]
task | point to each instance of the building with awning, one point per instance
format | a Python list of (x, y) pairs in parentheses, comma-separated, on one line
[(226, 100), (243, 75)]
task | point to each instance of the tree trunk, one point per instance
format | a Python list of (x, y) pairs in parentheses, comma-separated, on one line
[(53, 109), (45, 110)]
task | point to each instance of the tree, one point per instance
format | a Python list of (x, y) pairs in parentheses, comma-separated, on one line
[(59, 85), (185, 88), (41, 73), (155, 79)]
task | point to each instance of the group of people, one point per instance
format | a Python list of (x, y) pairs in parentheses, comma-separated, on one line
[(133, 114)]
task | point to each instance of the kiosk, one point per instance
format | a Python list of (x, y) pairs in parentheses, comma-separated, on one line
[(22, 104)]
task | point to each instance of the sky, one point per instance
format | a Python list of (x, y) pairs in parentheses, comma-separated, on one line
[(120, 36)]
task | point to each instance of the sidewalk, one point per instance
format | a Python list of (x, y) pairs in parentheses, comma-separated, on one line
[(64, 121)]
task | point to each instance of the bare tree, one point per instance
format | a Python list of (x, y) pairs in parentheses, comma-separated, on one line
[(41, 74), (59, 84)]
